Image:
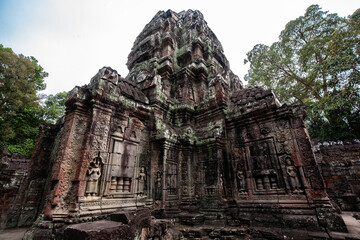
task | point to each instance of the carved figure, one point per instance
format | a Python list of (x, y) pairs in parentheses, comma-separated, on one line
[(141, 181), (93, 175), (241, 180), (190, 92), (292, 175), (158, 185)]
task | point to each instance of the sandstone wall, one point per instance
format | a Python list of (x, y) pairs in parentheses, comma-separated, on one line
[(340, 165), (12, 173), (30, 195)]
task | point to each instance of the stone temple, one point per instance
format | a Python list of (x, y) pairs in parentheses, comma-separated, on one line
[(176, 149)]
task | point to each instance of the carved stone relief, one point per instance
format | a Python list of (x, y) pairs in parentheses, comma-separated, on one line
[(240, 176), (123, 162), (141, 187), (292, 174), (158, 185), (172, 178), (92, 177)]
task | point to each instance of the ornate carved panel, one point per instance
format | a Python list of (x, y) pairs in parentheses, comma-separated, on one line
[(265, 170), (122, 166), (172, 179)]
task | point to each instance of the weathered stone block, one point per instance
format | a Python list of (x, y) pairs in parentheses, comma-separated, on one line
[(97, 230), (160, 226), (309, 223), (191, 219)]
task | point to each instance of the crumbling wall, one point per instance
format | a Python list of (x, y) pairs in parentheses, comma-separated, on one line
[(30, 198), (13, 170), (340, 166)]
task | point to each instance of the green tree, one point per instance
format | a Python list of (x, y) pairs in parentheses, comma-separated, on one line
[(54, 107), (316, 63), (20, 112)]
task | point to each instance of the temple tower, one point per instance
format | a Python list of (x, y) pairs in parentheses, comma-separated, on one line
[(181, 136)]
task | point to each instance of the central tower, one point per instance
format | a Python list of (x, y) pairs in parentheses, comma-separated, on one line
[(179, 64), (180, 54)]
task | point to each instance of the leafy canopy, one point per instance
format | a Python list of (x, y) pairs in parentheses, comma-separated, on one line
[(315, 62), (21, 78), (54, 107)]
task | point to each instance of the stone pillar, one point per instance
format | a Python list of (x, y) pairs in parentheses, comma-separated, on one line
[(164, 162), (309, 172), (69, 155), (97, 144)]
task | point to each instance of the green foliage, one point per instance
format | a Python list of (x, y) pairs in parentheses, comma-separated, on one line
[(21, 114), (54, 107), (315, 62), (20, 129), (20, 78), (25, 148)]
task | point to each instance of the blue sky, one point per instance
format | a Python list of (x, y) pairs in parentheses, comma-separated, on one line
[(73, 39)]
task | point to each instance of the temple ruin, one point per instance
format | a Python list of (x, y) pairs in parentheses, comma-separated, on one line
[(180, 139)]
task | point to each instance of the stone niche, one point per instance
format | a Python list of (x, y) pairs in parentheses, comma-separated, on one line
[(181, 136)]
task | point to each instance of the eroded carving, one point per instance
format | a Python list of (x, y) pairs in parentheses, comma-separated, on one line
[(292, 175), (93, 176), (141, 181), (158, 185)]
